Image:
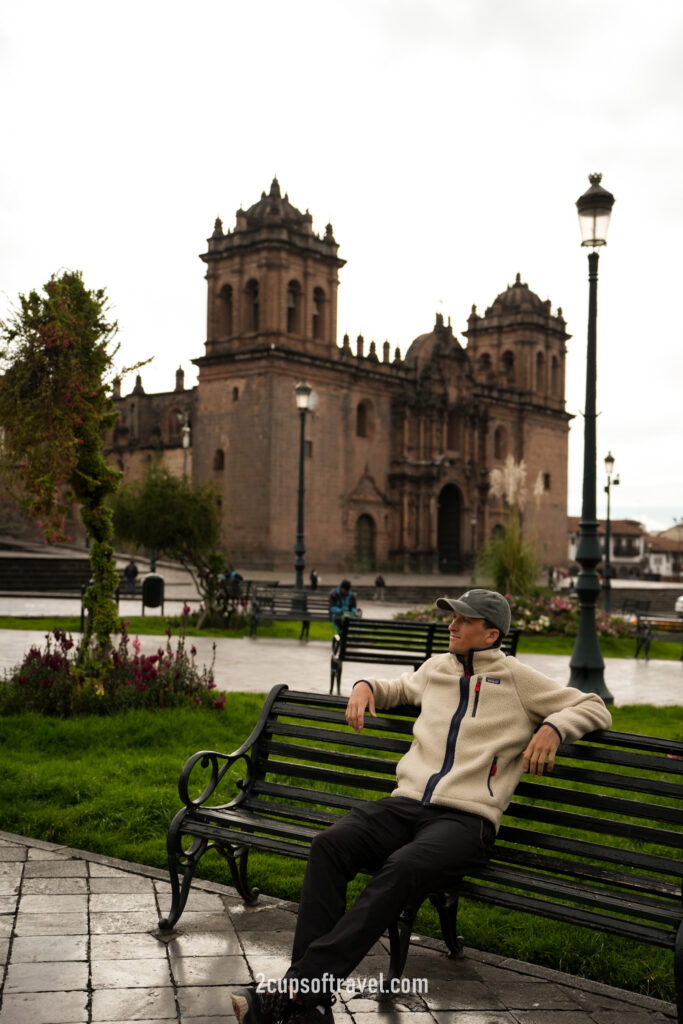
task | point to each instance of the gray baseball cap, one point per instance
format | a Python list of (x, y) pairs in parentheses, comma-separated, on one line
[(480, 604)]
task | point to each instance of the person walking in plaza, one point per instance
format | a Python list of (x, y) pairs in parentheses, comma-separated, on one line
[(379, 587), (484, 720)]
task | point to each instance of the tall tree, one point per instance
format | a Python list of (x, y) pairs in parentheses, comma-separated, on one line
[(177, 518), (56, 357)]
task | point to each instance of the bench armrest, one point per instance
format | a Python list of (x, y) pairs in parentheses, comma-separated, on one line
[(212, 759)]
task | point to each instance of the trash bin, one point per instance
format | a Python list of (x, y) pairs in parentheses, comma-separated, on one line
[(153, 592)]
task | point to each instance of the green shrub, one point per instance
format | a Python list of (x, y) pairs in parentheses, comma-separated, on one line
[(60, 680)]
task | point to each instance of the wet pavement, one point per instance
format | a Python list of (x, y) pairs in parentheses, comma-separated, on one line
[(79, 945)]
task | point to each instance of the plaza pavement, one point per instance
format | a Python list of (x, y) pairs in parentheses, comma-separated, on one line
[(79, 945), (78, 939)]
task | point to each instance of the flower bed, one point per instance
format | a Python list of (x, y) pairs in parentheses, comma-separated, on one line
[(64, 680)]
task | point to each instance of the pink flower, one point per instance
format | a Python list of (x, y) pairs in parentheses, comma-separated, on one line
[(137, 645)]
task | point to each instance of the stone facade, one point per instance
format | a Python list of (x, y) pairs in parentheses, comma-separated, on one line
[(398, 451)]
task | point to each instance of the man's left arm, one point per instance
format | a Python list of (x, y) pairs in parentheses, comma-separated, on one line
[(541, 750), (564, 713)]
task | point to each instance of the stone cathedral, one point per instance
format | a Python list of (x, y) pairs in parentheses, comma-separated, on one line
[(398, 450)]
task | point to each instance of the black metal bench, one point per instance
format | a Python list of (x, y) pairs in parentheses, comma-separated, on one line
[(597, 844), (657, 627), (393, 642), (285, 604)]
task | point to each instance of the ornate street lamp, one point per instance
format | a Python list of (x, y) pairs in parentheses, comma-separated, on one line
[(607, 582), (186, 432), (586, 664), (303, 396)]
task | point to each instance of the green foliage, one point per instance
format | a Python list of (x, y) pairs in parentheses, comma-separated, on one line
[(55, 403), (177, 518), (58, 680), (510, 560)]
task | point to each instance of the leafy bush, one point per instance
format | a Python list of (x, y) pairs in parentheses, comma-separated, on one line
[(539, 614), (60, 680)]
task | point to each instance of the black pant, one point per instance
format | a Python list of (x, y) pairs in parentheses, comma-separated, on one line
[(413, 850)]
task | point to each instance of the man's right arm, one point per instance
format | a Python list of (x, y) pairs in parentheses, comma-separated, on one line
[(361, 699)]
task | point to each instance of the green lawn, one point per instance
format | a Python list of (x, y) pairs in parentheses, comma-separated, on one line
[(109, 785), (155, 625)]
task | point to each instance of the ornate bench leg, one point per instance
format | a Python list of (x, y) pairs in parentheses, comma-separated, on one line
[(447, 908), (399, 939), (177, 857), (237, 859)]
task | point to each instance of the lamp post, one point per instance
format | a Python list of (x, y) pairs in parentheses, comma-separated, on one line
[(473, 524), (586, 664), (607, 583), (185, 431), (303, 395)]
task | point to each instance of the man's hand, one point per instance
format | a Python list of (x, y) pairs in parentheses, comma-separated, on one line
[(361, 698), (541, 749)]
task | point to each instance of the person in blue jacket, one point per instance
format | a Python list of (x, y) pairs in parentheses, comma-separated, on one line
[(342, 602)]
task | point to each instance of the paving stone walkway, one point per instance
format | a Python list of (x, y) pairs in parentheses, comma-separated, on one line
[(78, 945)]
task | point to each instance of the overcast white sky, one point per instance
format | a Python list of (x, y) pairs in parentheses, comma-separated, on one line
[(446, 140)]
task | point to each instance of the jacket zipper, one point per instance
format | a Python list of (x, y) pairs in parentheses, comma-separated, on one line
[(454, 729), (477, 690), (492, 771)]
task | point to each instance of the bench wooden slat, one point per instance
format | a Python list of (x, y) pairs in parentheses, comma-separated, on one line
[(291, 769), (287, 792), (601, 802), (638, 905), (347, 738), (572, 915), (612, 780), (562, 843), (317, 756), (581, 869)]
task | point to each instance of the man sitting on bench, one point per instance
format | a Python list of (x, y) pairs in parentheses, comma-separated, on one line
[(485, 719)]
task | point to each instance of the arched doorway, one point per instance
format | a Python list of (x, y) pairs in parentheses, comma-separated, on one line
[(448, 529), (364, 544)]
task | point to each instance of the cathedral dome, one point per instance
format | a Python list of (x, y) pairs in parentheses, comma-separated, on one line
[(516, 298), (274, 208)]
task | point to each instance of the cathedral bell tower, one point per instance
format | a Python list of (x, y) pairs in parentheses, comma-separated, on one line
[(271, 282)]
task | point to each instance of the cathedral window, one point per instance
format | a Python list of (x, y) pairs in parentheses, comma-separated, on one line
[(225, 310), (364, 419), (235, 394), (500, 443), (318, 312), (556, 381), (540, 372), (453, 432), (252, 304), (484, 363), (508, 366), (219, 459), (293, 308), (546, 481)]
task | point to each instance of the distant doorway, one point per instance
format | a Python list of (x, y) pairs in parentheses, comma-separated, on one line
[(364, 544), (448, 529)]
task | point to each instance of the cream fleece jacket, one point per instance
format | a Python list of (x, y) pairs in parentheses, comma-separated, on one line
[(478, 713)]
